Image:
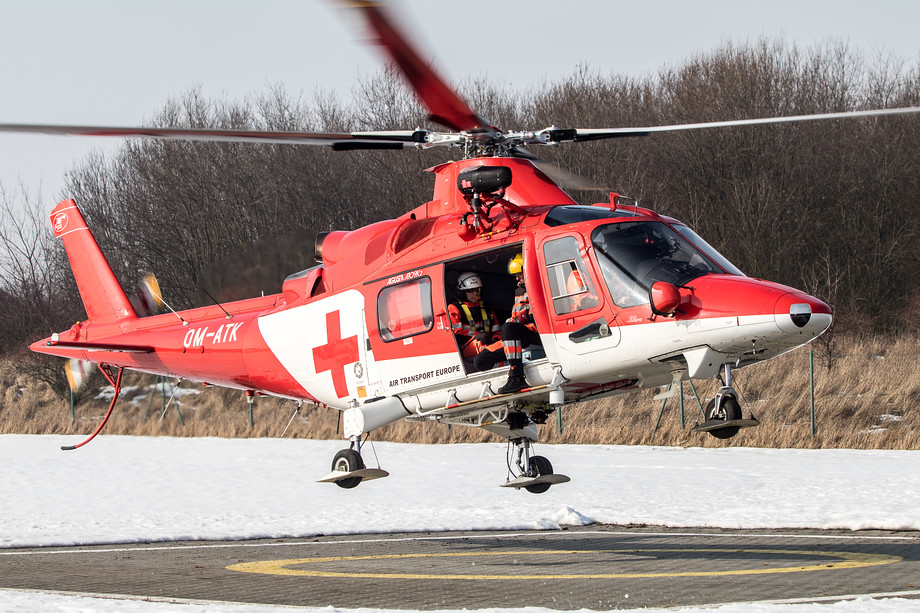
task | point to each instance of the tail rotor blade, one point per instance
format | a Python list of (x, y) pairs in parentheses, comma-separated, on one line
[(149, 299), (78, 372)]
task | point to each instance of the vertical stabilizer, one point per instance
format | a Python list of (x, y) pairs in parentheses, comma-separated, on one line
[(102, 295)]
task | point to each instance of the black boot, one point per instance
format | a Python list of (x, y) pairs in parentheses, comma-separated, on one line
[(516, 381)]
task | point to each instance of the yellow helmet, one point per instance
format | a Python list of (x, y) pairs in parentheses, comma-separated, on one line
[(516, 265)]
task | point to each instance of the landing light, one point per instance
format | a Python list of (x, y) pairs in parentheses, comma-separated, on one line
[(800, 314)]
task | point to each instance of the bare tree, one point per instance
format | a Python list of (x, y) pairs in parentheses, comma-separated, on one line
[(780, 201)]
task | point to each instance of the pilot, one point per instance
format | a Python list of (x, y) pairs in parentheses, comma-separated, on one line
[(519, 331), (581, 294), (475, 325)]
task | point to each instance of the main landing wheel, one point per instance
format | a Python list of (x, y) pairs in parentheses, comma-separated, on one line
[(348, 460), (539, 466), (728, 410)]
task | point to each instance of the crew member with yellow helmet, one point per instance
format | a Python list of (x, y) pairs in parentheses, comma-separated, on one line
[(519, 331)]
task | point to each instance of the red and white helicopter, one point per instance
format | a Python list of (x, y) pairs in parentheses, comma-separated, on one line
[(622, 298)]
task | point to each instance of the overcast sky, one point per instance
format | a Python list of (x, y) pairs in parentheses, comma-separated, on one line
[(113, 62)]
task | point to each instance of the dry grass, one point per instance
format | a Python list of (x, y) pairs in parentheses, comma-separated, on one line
[(866, 400)]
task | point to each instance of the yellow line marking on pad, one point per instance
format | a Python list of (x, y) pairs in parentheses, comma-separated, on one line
[(283, 567)]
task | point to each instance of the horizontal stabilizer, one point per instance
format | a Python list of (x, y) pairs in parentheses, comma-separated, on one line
[(115, 347)]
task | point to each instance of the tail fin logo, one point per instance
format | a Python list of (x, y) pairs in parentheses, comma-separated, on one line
[(59, 223)]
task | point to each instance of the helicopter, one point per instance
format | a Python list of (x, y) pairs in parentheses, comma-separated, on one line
[(618, 298)]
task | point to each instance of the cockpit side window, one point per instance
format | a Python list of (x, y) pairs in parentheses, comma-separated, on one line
[(623, 289), (569, 282)]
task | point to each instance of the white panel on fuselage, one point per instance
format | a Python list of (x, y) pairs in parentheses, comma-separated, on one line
[(640, 343), (319, 344)]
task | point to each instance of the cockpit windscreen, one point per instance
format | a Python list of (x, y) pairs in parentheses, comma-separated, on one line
[(635, 254)]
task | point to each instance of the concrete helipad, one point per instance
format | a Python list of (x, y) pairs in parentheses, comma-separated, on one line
[(593, 568)]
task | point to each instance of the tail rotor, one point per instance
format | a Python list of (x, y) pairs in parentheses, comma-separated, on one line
[(78, 372), (148, 300)]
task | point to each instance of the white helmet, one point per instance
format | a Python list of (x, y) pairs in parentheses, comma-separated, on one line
[(469, 280)]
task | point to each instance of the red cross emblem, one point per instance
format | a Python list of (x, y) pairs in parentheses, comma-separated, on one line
[(336, 353)]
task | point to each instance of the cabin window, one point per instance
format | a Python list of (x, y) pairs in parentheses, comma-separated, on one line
[(405, 310), (564, 215), (569, 282)]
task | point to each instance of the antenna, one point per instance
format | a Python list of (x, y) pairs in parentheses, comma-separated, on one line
[(229, 316), (166, 304)]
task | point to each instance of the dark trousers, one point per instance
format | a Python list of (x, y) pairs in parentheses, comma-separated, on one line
[(515, 336)]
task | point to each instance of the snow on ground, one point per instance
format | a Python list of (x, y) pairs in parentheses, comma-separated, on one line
[(136, 489), (22, 602)]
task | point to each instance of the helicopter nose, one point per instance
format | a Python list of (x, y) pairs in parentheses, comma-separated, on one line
[(799, 313)]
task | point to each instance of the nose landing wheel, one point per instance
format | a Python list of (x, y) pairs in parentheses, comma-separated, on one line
[(534, 472), (726, 410), (723, 413)]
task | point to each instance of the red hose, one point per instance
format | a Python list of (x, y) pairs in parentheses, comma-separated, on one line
[(117, 384)]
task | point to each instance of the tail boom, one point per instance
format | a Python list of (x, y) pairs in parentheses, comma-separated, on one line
[(218, 344)]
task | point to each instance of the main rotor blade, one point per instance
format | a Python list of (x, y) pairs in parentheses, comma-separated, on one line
[(443, 103), (602, 133), (396, 139), (560, 176)]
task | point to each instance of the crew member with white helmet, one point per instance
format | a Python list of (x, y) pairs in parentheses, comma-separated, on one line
[(475, 325)]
